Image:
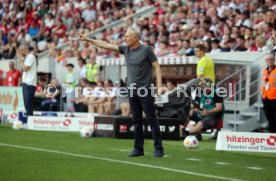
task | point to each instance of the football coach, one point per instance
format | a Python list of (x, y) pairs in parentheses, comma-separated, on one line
[(140, 60)]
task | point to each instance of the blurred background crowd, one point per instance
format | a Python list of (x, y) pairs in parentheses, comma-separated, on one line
[(174, 29)]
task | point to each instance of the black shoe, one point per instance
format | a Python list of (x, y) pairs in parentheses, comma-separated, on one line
[(215, 136), (158, 153), (136, 153), (199, 137)]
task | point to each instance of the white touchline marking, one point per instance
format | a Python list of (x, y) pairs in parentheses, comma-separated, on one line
[(121, 161), (193, 159), (255, 168), (122, 150), (127, 150), (221, 163), (180, 144)]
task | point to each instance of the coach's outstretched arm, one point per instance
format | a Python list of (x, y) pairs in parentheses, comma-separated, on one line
[(98, 43)]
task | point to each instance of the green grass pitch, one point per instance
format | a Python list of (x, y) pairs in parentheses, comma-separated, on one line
[(36, 155)]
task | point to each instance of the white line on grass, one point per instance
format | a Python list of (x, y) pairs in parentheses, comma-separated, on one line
[(221, 163), (121, 150), (121, 161), (127, 150), (255, 168), (193, 159)]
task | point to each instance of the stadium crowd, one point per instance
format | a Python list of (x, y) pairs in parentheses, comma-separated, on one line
[(175, 29), (45, 24)]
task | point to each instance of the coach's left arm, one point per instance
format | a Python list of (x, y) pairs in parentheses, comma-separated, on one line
[(158, 76)]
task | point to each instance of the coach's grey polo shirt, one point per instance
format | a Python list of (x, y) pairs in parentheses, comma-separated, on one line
[(138, 61)]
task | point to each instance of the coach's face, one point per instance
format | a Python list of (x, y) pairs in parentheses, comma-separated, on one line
[(130, 38)]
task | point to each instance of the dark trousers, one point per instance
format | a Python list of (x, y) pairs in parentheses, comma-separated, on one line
[(80, 107), (139, 104), (28, 95), (270, 112)]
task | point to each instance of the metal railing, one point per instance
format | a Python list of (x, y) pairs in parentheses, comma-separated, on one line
[(237, 107), (239, 70), (239, 89)]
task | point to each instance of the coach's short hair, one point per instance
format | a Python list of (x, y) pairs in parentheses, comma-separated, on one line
[(201, 47), (135, 32)]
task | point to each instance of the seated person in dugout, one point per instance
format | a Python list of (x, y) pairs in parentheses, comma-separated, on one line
[(171, 85), (85, 93), (210, 110), (80, 102), (96, 99), (125, 107), (53, 97), (110, 102), (122, 102)]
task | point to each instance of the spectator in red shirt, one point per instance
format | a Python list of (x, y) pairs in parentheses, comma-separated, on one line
[(21, 25), (13, 76), (39, 92), (1, 77), (36, 19), (3, 27), (251, 44), (29, 13), (59, 28)]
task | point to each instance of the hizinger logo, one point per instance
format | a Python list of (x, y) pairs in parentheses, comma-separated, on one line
[(67, 122), (46, 122), (270, 141), (13, 115), (243, 139)]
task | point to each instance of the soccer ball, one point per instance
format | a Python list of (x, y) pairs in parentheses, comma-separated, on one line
[(86, 132), (190, 142), (17, 125)]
